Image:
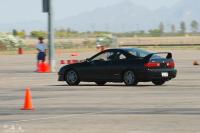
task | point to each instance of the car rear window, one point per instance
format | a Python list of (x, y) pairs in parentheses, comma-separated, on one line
[(138, 52)]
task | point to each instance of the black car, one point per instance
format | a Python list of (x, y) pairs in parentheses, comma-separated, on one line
[(128, 65)]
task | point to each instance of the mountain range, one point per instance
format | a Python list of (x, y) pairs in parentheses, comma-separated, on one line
[(124, 16)]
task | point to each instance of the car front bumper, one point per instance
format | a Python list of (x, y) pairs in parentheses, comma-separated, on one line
[(61, 77)]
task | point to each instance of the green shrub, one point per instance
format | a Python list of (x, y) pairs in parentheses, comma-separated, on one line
[(10, 42), (36, 34)]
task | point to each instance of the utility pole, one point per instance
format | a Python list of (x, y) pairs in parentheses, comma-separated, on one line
[(48, 8)]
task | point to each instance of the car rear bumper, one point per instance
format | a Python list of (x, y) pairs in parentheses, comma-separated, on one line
[(157, 74)]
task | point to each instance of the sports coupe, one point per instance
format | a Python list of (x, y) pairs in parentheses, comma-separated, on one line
[(128, 65)]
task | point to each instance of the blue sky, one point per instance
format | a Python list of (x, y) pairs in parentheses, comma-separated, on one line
[(29, 10)]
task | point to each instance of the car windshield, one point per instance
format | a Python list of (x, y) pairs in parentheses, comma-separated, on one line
[(138, 52)]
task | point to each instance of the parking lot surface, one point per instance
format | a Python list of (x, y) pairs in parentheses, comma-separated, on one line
[(114, 108)]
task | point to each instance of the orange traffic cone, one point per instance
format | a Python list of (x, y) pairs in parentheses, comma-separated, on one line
[(28, 105), (69, 62), (75, 54), (47, 68), (41, 67), (62, 62), (44, 67), (74, 61)]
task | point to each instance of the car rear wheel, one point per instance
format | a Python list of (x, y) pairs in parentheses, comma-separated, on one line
[(100, 83), (72, 78), (158, 82), (129, 78)]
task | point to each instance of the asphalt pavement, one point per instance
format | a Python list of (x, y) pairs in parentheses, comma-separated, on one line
[(113, 108)]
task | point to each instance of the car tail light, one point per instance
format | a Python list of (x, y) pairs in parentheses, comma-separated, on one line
[(171, 64), (152, 64)]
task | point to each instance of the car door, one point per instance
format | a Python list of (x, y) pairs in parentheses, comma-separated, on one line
[(118, 63), (97, 68)]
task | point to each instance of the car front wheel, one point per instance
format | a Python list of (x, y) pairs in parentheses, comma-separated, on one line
[(72, 78), (129, 78), (158, 82)]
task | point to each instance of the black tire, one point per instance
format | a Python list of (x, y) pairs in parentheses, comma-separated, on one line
[(129, 78), (158, 82), (72, 78), (100, 83)]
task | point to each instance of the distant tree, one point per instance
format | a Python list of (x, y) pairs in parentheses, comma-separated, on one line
[(141, 33), (21, 34), (194, 26), (155, 32), (64, 33), (161, 27), (68, 30), (8, 41), (37, 34), (173, 28), (14, 32), (183, 27)]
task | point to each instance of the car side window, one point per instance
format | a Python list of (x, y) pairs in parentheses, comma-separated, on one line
[(101, 57), (121, 56), (110, 56), (133, 53), (113, 56), (106, 56)]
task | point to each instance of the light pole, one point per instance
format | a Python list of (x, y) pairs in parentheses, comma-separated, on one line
[(48, 8)]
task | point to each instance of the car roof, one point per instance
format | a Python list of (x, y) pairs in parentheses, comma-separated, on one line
[(124, 49)]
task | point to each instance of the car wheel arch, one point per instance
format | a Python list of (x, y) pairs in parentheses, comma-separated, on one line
[(70, 68), (133, 70), (73, 78), (129, 77)]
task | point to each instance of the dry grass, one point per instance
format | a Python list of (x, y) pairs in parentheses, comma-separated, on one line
[(133, 40), (121, 41), (159, 40)]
